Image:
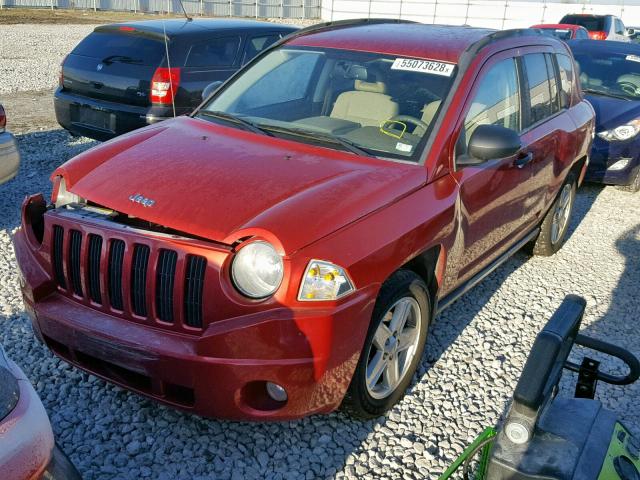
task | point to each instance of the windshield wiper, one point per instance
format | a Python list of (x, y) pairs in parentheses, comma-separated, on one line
[(248, 125), (605, 93), (323, 137), (119, 58)]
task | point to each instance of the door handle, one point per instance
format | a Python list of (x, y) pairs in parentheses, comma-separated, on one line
[(523, 159)]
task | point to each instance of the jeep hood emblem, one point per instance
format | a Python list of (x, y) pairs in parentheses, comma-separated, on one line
[(142, 200)]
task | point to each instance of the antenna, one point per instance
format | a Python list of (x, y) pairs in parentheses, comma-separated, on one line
[(166, 48), (186, 15)]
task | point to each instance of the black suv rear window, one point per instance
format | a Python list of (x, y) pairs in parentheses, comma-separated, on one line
[(121, 47), (590, 23)]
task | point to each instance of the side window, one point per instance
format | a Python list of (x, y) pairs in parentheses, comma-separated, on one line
[(496, 102), (540, 96), (553, 83), (215, 52), (565, 66), (619, 27), (294, 75), (581, 34), (256, 44)]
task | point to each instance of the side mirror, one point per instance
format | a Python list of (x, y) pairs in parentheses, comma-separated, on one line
[(630, 32), (209, 89), (489, 142)]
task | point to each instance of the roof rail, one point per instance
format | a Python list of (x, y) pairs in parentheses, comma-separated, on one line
[(336, 24), (500, 34)]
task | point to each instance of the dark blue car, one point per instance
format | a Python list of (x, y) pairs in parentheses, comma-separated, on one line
[(129, 75), (610, 80)]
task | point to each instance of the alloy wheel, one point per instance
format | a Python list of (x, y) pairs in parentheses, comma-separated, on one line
[(394, 346), (561, 214)]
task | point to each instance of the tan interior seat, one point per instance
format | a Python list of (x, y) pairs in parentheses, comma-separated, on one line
[(368, 104), (429, 111), (630, 78)]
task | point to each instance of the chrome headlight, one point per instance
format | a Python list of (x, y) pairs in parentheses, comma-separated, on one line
[(63, 196), (621, 133), (257, 270), (324, 281)]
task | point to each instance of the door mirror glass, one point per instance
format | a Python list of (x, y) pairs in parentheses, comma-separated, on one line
[(490, 142), (209, 89)]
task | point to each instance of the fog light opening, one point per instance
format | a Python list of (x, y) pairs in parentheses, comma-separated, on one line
[(619, 164), (276, 392)]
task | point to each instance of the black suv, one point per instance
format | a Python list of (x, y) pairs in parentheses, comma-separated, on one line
[(125, 76)]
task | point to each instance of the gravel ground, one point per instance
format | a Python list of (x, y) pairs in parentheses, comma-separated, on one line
[(474, 357)]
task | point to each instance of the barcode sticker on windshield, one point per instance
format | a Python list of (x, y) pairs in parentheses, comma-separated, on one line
[(633, 58), (423, 66)]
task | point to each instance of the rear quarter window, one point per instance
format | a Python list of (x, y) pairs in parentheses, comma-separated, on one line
[(215, 52), (102, 45)]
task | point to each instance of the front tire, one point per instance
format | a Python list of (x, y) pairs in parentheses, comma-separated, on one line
[(553, 230), (393, 347)]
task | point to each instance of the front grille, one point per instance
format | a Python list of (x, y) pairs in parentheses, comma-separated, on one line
[(127, 286), (193, 286), (93, 267), (58, 260), (75, 245), (116, 257), (139, 266), (165, 274)]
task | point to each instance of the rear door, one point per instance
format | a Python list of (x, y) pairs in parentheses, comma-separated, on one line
[(114, 65), (547, 127), (494, 196)]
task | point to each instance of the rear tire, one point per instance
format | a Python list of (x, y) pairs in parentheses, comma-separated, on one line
[(393, 346), (553, 230), (634, 186)]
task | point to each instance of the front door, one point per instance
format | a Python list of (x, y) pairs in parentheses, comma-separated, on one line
[(494, 196)]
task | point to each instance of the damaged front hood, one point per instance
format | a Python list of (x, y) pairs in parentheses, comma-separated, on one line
[(225, 184)]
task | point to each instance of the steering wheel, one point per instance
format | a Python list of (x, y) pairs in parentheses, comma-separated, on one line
[(420, 126), (629, 88)]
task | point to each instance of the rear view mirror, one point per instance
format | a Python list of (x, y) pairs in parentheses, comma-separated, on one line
[(489, 142), (209, 89)]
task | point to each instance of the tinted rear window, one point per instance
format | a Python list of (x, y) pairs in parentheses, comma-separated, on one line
[(590, 23), (139, 50)]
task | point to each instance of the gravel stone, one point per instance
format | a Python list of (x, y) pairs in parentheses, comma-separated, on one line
[(474, 355)]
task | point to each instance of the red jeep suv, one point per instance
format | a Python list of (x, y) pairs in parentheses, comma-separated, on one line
[(283, 250)]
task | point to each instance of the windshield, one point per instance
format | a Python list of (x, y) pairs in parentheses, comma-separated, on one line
[(608, 73), (370, 104), (592, 24)]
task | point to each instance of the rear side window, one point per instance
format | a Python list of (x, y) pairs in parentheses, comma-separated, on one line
[(121, 47), (542, 87), (565, 67), (257, 44), (590, 23), (496, 102), (215, 52)]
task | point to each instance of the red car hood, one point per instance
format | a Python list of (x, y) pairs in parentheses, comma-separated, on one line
[(224, 184)]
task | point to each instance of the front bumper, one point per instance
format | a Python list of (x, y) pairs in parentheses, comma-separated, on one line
[(222, 372), (9, 157), (124, 117), (604, 154)]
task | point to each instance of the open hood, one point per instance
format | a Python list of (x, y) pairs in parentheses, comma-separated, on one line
[(224, 184)]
